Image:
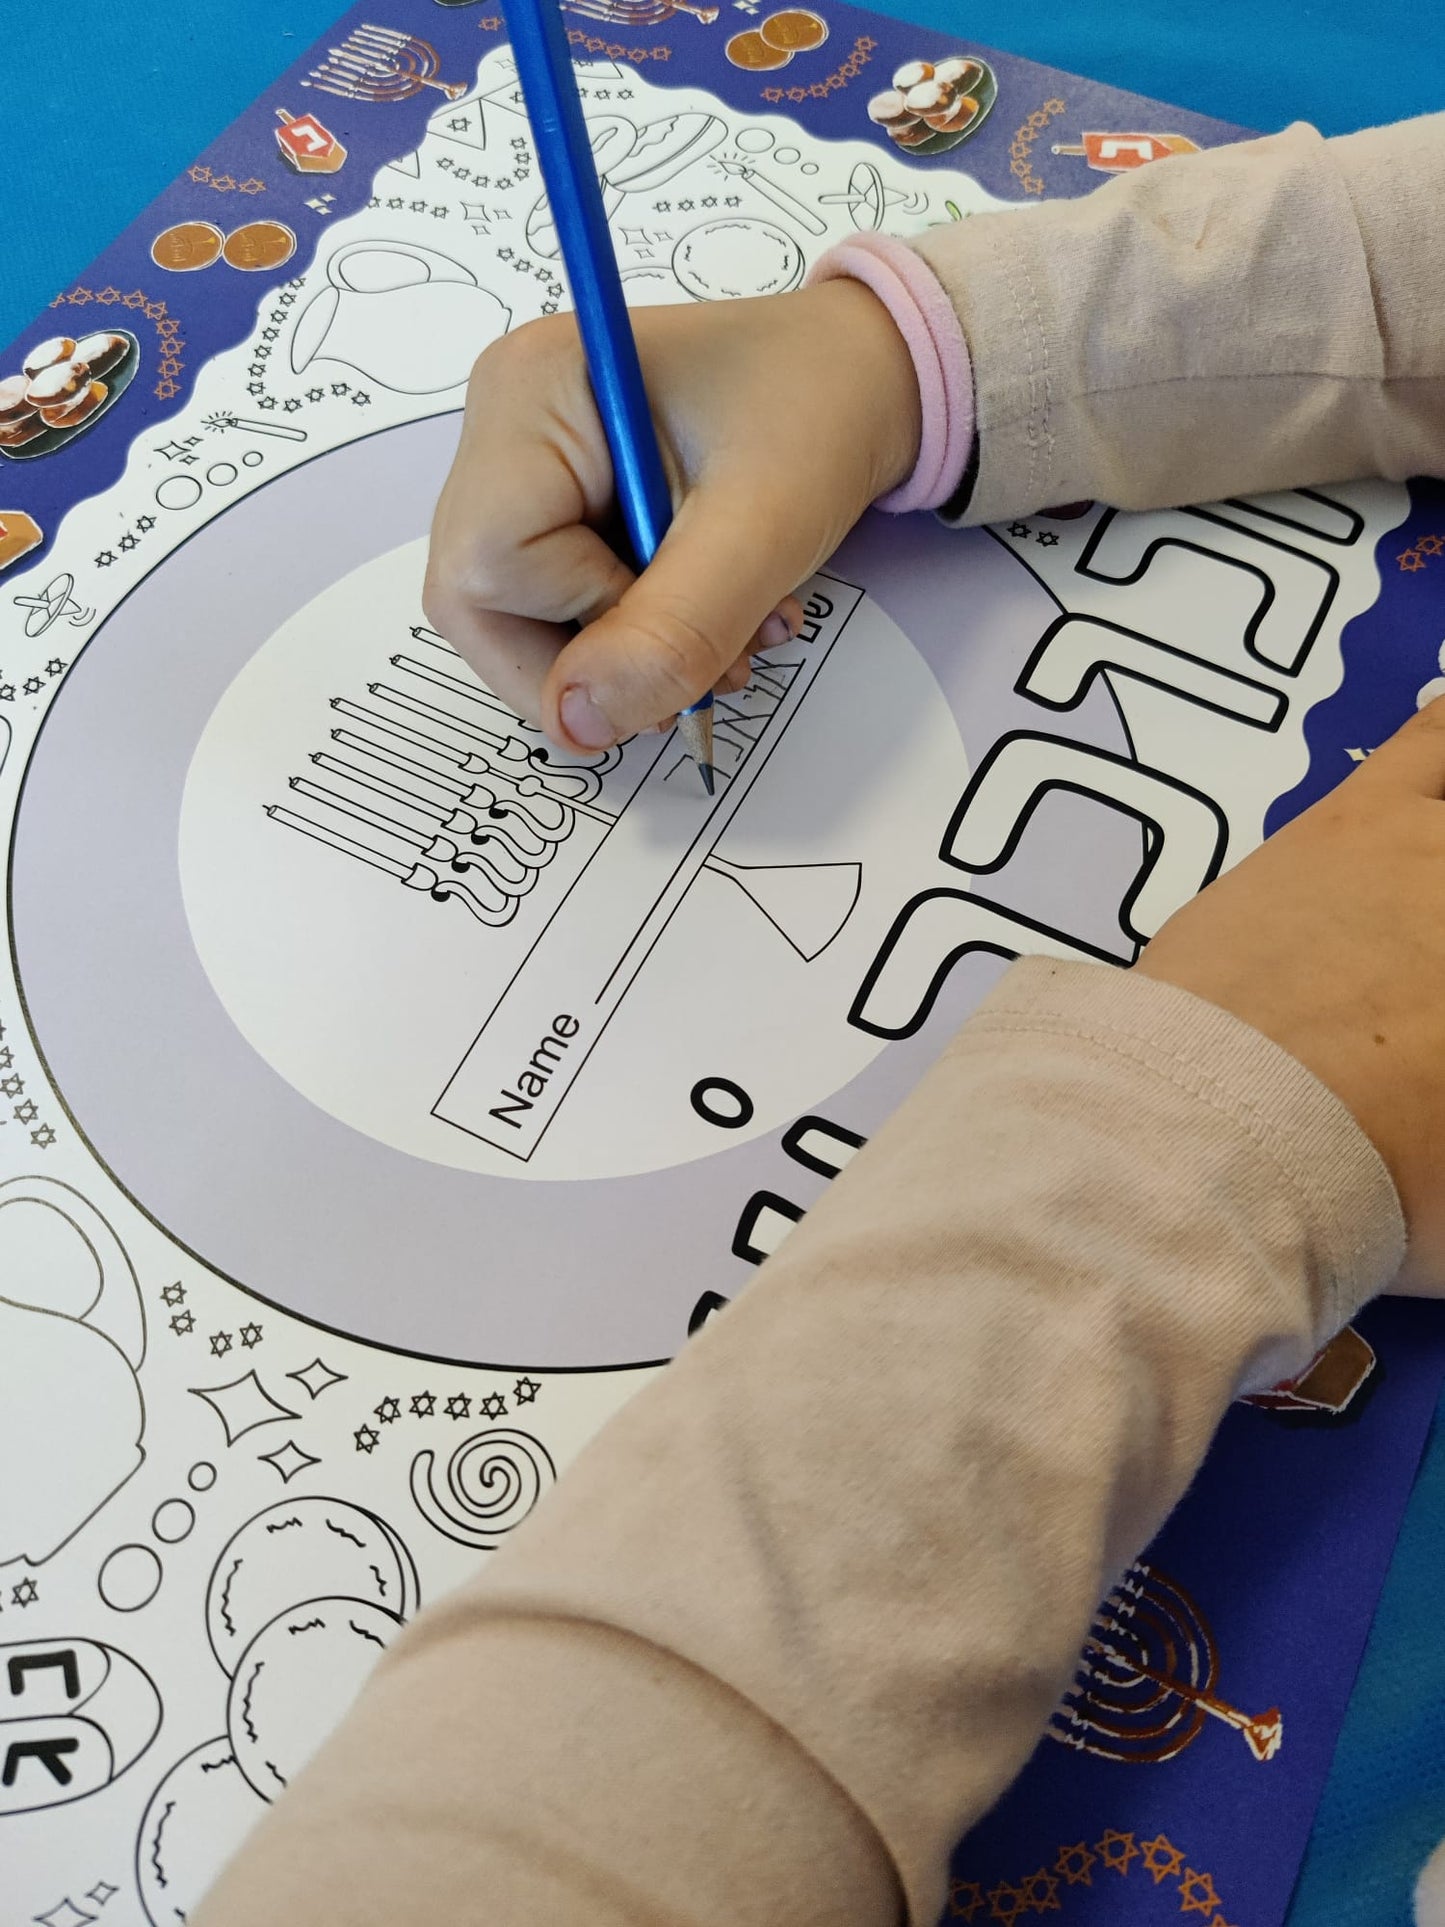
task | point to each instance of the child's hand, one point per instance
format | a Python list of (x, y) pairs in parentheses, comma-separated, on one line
[(780, 421), (1331, 940)]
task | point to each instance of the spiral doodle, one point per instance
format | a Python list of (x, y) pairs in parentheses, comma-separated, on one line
[(492, 1481)]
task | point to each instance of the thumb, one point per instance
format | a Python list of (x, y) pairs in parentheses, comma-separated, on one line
[(1413, 759), (720, 571)]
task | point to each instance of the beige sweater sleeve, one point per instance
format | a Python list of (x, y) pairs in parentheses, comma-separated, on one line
[(799, 1614), (1255, 317)]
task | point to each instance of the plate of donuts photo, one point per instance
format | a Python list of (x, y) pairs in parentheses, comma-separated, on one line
[(62, 386), (933, 105)]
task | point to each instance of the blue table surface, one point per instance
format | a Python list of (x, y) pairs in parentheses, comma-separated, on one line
[(81, 161)]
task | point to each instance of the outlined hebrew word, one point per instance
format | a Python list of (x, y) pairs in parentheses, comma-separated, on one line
[(932, 933), (820, 1146), (1306, 511), (1189, 829), (1123, 548), (74, 1715), (1075, 650)]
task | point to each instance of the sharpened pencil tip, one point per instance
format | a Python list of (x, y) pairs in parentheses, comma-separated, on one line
[(705, 771)]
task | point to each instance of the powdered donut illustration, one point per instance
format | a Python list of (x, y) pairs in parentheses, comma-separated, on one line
[(298, 1550), (197, 1817), (296, 1680)]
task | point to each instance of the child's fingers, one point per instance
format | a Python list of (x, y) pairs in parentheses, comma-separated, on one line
[(724, 567), (1413, 760), (513, 655)]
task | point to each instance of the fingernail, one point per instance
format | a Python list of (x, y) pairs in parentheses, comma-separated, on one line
[(775, 631), (583, 720)]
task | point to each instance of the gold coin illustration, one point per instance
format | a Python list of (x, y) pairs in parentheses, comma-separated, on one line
[(260, 244), (750, 50), (794, 32), (187, 246)]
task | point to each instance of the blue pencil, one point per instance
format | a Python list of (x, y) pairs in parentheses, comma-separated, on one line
[(549, 88)]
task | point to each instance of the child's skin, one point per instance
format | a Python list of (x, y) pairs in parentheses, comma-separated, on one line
[(1330, 939), (772, 457), (791, 1624)]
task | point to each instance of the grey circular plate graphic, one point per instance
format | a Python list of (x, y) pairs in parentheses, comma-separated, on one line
[(258, 1182)]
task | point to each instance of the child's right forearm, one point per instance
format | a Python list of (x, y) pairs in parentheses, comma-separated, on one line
[(1260, 316)]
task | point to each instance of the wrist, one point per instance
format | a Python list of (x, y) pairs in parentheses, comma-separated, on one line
[(922, 413)]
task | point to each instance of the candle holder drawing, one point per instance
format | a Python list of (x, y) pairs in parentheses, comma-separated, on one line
[(378, 63), (448, 799), (639, 13), (1145, 1686)]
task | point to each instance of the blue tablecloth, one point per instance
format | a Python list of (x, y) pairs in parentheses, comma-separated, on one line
[(86, 146)]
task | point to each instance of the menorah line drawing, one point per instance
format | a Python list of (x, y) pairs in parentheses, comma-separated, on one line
[(1145, 1686), (499, 833), (379, 63), (640, 13)]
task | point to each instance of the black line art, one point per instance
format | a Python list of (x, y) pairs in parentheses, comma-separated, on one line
[(74, 1715), (718, 1100), (1122, 548), (737, 256), (587, 955), (287, 1460), (54, 603), (742, 169), (1189, 828), (172, 1521), (317, 1378), (70, 1316), (278, 431), (196, 1818), (300, 1549), (869, 201), (295, 1681), (708, 1306), (663, 148), (613, 138), (242, 1404), (178, 493), (463, 123), (765, 1221), (933, 932), (129, 1578), (407, 317), (820, 1145), (1308, 512), (1075, 649), (491, 1482), (65, 1913)]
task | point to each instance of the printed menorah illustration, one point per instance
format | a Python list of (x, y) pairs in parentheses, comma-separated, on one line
[(432, 783), (1145, 1687), (378, 63)]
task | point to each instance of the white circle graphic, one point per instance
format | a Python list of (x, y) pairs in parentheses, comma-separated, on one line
[(380, 979)]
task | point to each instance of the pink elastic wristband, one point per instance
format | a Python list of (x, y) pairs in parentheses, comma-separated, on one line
[(924, 316)]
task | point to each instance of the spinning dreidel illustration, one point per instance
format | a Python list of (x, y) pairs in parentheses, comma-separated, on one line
[(306, 145), (1117, 153)]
